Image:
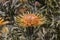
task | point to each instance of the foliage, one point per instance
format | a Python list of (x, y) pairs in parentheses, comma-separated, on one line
[(50, 30)]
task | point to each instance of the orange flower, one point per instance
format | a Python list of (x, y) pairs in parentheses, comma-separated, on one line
[(29, 20)]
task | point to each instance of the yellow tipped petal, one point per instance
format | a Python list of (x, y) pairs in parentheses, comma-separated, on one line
[(2, 22), (5, 22)]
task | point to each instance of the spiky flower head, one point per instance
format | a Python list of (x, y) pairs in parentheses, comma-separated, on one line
[(30, 19)]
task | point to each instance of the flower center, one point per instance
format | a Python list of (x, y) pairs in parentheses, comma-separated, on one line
[(30, 19)]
